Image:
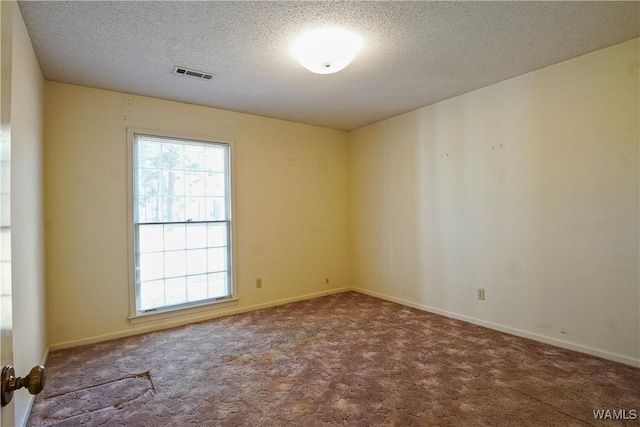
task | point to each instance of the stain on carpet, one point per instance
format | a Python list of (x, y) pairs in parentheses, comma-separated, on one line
[(74, 406)]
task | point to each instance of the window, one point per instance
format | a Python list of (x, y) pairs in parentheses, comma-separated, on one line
[(181, 222)]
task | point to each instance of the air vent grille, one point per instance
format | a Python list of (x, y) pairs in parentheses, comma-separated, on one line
[(192, 73)]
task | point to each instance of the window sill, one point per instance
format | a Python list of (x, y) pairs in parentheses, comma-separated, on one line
[(182, 311)]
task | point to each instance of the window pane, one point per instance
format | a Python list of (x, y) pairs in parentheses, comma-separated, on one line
[(151, 238), (195, 183), (151, 266), (196, 236), (215, 159), (218, 285), (175, 263), (182, 174), (173, 183), (194, 209), (194, 157), (217, 259), (181, 187), (149, 154), (197, 288), (175, 291), (217, 235), (172, 156), (216, 209), (175, 237), (151, 294), (216, 184), (149, 209), (173, 209), (196, 261), (149, 182)]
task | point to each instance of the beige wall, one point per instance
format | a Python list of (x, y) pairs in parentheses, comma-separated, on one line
[(29, 335), (290, 206), (528, 189)]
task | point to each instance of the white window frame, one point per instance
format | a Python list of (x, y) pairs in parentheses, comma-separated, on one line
[(136, 316)]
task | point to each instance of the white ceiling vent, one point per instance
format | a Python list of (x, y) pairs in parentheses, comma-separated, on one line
[(192, 73)]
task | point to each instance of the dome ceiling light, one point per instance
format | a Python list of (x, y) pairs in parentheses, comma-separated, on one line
[(326, 50)]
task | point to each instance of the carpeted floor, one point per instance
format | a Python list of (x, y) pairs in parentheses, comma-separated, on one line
[(345, 359)]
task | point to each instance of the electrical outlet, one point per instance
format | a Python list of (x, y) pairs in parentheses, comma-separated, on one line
[(258, 283), (481, 294)]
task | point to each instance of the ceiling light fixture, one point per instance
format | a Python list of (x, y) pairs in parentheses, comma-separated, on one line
[(326, 50)]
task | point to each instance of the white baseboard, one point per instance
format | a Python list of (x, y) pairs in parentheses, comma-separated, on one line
[(184, 320), (512, 331), (25, 417)]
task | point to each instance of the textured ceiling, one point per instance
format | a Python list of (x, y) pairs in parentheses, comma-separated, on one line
[(415, 53)]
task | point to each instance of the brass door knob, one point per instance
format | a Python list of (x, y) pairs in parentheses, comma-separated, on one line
[(34, 382)]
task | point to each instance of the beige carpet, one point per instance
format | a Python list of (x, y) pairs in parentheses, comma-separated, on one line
[(345, 359)]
